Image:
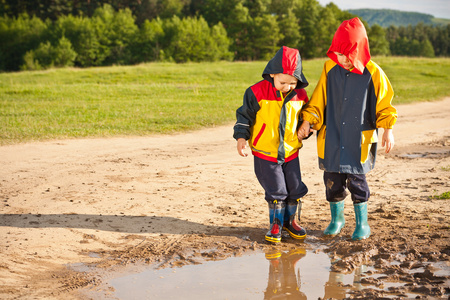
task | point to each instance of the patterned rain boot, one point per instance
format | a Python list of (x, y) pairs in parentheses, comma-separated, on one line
[(362, 228), (337, 218), (290, 223), (276, 216)]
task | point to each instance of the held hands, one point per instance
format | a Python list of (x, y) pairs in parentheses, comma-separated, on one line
[(241, 146), (388, 140), (304, 130)]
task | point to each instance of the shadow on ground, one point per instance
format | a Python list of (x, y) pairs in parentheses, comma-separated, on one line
[(119, 223)]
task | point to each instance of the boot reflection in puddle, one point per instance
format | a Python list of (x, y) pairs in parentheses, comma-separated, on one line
[(335, 288), (283, 282)]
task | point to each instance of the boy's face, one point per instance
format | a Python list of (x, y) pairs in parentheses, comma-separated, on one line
[(284, 82), (344, 61)]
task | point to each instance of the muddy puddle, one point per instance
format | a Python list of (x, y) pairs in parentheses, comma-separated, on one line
[(436, 150), (435, 154), (300, 273)]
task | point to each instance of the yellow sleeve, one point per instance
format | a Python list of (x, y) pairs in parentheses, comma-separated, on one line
[(315, 108), (386, 113)]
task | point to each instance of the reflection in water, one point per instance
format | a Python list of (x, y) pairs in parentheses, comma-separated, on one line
[(334, 288), (310, 278), (284, 281), (294, 274)]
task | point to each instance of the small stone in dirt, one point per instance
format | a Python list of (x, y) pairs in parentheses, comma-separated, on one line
[(407, 264)]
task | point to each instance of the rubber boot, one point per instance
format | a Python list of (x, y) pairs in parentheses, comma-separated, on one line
[(337, 218), (276, 216), (290, 223), (362, 229)]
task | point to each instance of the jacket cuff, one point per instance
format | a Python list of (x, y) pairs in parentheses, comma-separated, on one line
[(239, 135), (388, 124), (307, 117)]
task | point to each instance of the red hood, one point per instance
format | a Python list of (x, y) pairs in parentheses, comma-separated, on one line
[(351, 40), (287, 61)]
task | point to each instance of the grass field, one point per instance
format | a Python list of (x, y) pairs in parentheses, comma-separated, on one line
[(161, 98)]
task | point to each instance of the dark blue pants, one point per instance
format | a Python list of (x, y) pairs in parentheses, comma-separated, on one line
[(336, 183), (280, 182)]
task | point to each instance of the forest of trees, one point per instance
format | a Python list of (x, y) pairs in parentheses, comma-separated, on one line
[(38, 34)]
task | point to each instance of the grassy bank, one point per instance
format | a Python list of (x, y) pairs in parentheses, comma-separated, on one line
[(161, 98)]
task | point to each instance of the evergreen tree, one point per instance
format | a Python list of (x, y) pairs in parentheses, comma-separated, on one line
[(238, 26), (257, 8), (441, 40), (327, 23), (426, 49), (215, 11), (377, 41), (264, 37), (288, 24), (308, 15)]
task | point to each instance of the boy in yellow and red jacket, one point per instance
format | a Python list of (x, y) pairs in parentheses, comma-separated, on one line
[(268, 120), (350, 102)]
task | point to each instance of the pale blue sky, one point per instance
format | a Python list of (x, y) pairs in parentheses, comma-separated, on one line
[(437, 8)]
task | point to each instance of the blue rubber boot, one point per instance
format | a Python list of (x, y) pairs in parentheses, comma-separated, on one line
[(290, 223), (276, 216), (362, 229), (337, 218)]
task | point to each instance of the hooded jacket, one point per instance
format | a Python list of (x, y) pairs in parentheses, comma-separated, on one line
[(268, 119), (347, 106)]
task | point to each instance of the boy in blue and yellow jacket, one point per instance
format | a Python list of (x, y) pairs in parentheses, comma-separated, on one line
[(268, 121), (351, 100)]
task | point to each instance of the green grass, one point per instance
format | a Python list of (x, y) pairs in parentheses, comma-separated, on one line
[(443, 196), (417, 79), (164, 98)]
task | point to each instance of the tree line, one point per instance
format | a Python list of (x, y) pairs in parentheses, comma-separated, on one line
[(48, 33)]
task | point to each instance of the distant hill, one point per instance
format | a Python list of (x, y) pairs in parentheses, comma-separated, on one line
[(387, 17), (443, 22)]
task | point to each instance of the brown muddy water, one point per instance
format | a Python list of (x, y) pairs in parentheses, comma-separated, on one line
[(300, 273)]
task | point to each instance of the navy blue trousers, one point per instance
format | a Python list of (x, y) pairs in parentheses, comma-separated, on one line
[(337, 183), (280, 182)]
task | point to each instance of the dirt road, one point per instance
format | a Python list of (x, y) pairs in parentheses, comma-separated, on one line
[(118, 200)]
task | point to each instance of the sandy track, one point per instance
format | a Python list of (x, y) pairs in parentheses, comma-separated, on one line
[(63, 200)]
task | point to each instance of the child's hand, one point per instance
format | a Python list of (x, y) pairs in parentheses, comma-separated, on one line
[(241, 146), (388, 140), (304, 130)]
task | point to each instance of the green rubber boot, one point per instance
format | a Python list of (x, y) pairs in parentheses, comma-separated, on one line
[(362, 229), (337, 218), (276, 216)]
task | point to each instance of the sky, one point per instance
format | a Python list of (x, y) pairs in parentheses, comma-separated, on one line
[(437, 8)]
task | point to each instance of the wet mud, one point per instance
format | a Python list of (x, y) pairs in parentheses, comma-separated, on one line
[(403, 267)]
